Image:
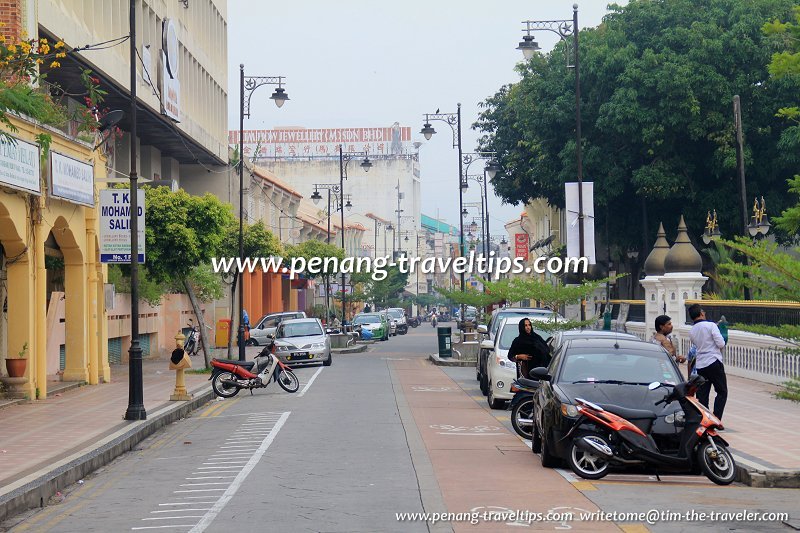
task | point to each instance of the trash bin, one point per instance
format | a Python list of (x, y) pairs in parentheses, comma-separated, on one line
[(221, 336), (445, 349)]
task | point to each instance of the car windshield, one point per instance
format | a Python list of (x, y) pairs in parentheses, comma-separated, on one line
[(367, 319), (300, 329), (617, 367), (396, 313), (511, 331)]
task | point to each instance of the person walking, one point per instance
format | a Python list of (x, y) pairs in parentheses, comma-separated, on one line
[(707, 338), (528, 350), (661, 336)]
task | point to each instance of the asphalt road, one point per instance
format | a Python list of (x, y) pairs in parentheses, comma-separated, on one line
[(337, 456)]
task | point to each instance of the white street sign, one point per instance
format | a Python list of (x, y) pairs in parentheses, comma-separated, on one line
[(115, 233)]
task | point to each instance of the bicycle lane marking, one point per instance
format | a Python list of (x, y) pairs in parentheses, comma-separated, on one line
[(475, 460)]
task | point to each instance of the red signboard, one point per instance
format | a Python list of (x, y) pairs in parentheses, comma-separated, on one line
[(521, 245)]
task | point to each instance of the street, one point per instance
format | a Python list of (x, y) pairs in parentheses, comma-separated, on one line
[(376, 434)]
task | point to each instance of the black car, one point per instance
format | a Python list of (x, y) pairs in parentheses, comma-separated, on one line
[(605, 371)]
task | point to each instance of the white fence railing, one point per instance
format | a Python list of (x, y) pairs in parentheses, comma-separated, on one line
[(748, 355)]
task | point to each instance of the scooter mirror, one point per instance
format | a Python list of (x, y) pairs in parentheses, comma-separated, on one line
[(654, 385)]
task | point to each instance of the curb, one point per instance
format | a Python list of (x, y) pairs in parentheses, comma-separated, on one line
[(356, 349), (36, 489), (436, 360), (766, 478)]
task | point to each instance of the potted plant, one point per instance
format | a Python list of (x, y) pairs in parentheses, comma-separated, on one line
[(16, 365)]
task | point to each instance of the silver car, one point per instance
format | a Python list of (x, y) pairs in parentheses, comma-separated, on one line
[(303, 340), (267, 325)]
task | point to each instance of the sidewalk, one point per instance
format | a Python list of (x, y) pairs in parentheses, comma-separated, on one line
[(45, 444)]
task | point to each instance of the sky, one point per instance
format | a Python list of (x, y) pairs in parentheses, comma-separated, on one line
[(361, 63)]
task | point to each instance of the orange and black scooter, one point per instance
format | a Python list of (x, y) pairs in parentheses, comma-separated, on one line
[(603, 437)]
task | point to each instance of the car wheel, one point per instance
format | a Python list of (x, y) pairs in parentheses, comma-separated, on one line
[(484, 384), (251, 342), (328, 361), (536, 440), (549, 460), (494, 403)]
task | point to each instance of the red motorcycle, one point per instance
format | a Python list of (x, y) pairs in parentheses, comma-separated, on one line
[(229, 376), (603, 436)]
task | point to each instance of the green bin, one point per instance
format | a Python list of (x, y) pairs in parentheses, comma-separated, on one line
[(445, 349)]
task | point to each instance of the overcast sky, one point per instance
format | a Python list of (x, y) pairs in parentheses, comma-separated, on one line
[(364, 63)]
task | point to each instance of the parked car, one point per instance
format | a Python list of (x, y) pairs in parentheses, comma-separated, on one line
[(375, 323), (399, 315), (491, 330), (267, 325), (392, 323), (500, 370), (303, 340), (560, 337), (605, 371)]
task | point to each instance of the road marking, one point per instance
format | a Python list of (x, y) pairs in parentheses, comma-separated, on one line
[(203, 484), (234, 487), (584, 485), (310, 381), (174, 526), (196, 490), (210, 477), (189, 503), (179, 511), (173, 517), (227, 463), (633, 528)]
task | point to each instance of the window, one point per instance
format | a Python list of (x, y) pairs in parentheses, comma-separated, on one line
[(300, 329), (640, 367)]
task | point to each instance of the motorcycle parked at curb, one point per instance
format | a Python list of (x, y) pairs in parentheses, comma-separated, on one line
[(229, 376), (192, 343), (603, 437), (413, 322), (521, 406)]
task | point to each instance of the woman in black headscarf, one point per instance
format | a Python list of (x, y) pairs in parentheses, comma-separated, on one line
[(528, 350)]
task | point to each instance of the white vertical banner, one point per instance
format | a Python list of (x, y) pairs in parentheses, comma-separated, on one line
[(573, 222)]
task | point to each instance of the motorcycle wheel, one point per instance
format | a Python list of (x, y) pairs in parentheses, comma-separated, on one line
[(523, 410), (221, 389), (586, 464), (288, 381), (720, 469)]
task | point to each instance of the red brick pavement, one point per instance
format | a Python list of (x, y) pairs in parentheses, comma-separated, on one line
[(36, 434)]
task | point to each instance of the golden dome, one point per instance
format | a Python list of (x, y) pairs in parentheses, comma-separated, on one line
[(654, 264), (683, 256)]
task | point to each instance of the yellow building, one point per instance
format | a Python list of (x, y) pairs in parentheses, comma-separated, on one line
[(44, 212)]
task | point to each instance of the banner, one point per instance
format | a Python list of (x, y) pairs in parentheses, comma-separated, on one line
[(301, 142), (521, 245), (115, 231), (573, 223)]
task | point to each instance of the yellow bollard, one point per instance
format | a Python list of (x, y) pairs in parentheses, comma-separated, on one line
[(180, 393)]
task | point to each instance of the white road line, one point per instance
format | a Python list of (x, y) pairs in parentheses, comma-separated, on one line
[(173, 517), (231, 491), (210, 477), (188, 503), (196, 490), (195, 498), (249, 447), (178, 511), (204, 484), (227, 463), (310, 381), (174, 526)]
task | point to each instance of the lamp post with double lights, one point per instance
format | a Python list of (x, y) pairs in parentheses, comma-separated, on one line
[(489, 172), (342, 203), (344, 160), (454, 121), (564, 29), (247, 86)]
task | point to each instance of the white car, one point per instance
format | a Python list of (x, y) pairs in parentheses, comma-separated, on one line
[(500, 371), (398, 314)]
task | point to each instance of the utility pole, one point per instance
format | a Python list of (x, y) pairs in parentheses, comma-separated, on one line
[(737, 118)]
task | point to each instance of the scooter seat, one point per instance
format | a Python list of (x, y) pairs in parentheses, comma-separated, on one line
[(529, 383), (247, 365), (629, 414)]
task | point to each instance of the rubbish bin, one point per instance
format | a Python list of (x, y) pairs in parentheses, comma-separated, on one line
[(221, 336), (445, 349)]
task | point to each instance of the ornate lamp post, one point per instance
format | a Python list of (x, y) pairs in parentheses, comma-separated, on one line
[(366, 164), (247, 86), (342, 202), (564, 29)]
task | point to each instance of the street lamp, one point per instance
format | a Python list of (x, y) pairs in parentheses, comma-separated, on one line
[(490, 170), (712, 228), (366, 164), (564, 29), (760, 221), (248, 85), (454, 121)]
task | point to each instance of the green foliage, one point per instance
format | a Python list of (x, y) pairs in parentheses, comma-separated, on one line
[(257, 241), (149, 291), (206, 283), (313, 248), (470, 296), (383, 293), (775, 275), (789, 221), (791, 391), (723, 289), (657, 122), (182, 231)]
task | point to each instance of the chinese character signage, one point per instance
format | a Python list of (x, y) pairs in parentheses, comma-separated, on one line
[(115, 231), (521, 245)]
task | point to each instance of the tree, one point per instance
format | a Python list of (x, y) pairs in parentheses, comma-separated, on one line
[(330, 254), (182, 232), (257, 242), (656, 102), (385, 292)]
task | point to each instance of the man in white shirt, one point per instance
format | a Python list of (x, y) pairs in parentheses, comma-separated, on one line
[(706, 337)]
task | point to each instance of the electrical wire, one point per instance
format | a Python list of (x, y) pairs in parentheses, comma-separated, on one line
[(156, 92)]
